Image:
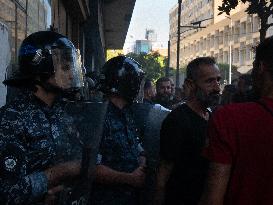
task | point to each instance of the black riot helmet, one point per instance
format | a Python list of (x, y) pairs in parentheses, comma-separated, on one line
[(122, 77), (45, 54)]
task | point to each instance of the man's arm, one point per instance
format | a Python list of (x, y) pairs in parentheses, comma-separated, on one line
[(62, 172), (106, 175), (163, 174), (216, 186), (16, 187)]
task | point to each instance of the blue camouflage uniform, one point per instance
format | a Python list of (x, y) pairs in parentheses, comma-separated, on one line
[(120, 150), (33, 137)]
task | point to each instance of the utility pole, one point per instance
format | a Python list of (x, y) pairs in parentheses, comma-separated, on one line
[(230, 50), (26, 18), (178, 43), (230, 53), (167, 71)]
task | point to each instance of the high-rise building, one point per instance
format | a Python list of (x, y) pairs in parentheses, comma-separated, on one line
[(151, 35), (143, 46), (223, 36)]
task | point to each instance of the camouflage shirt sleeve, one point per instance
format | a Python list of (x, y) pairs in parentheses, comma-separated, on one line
[(17, 186)]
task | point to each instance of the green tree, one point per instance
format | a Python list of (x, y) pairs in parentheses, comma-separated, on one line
[(224, 70), (153, 64), (110, 53), (263, 8)]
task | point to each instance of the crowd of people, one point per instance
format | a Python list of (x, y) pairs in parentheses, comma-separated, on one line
[(215, 147), (165, 94)]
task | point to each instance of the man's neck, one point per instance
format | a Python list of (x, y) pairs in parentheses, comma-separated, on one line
[(268, 92), (267, 86), (118, 101), (198, 108), (47, 97), (147, 97), (270, 96)]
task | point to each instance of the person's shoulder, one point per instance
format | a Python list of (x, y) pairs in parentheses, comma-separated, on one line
[(178, 112), (180, 109), (237, 107), (15, 107), (160, 107), (12, 106)]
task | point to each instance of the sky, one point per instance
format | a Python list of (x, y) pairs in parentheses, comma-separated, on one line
[(150, 14)]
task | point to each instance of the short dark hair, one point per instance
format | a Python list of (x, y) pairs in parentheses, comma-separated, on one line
[(160, 80), (194, 66), (264, 53), (230, 88), (247, 78)]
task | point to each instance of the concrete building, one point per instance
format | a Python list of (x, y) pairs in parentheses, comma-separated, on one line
[(150, 44), (93, 26), (151, 35), (143, 46), (223, 36)]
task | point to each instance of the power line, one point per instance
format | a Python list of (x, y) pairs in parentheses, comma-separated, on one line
[(189, 38), (152, 42)]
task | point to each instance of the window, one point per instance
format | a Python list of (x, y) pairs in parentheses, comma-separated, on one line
[(256, 24), (211, 41), (242, 56), (248, 53), (236, 55), (243, 29), (221, 37), (220, 58), (226, 57)]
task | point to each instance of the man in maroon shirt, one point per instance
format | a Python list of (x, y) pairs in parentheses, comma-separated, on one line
[(241, 141)]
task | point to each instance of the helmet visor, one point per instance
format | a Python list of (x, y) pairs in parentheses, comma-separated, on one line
[(68, 72)]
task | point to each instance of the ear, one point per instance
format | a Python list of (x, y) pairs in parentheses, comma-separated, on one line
[(149, 92), (263, 67), (189, 84)]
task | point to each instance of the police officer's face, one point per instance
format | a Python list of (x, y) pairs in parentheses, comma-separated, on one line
[(165, 89), (63, 76), (207, 85)]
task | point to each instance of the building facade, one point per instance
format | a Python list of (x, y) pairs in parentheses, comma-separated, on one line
[(223, 38), (22, 18), (143, 46)]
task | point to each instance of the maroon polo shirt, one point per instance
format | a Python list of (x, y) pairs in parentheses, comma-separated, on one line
[(242, 135)]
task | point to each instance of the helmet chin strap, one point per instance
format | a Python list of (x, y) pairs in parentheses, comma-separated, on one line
[(49, 87), (69, 94)]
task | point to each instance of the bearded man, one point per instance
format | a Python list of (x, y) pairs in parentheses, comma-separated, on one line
[(182, 169)]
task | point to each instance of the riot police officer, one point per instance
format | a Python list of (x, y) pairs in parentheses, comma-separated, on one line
[(120, 168), (36, 135)]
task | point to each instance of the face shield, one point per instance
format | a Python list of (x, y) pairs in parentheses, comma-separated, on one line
[(140, 95), (68, 71)]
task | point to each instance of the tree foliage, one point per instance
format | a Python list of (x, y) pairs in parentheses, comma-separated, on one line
[(224, 71), (113, 53), (153, 64), (263, 8)]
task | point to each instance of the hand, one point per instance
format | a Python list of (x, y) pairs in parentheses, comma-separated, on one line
[(142, 161), (62, 171), (51, 195), (137, 177)]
